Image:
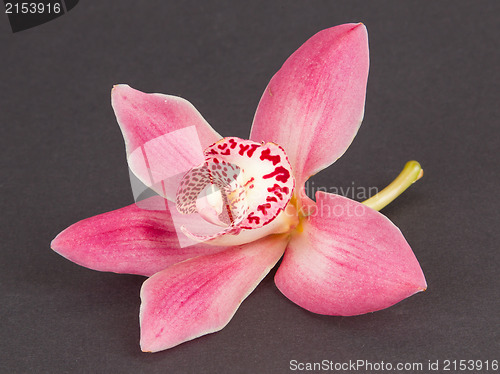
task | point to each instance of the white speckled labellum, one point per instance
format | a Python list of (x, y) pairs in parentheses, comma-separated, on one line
[(241, 185)]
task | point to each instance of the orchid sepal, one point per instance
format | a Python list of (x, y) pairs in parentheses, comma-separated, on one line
[(359, 264), (137, 239), (314, 105)]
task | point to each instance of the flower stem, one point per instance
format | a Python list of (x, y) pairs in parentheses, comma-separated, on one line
[(411, 173)]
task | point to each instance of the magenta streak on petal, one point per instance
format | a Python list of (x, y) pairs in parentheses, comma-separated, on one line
[(148, 166), (128, 240), (348, 260), (313, 106), (200, 296)]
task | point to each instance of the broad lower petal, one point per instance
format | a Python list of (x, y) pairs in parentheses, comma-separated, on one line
[(314, 104), (201, 295), (164, 135), (130, 240), (348, 260)]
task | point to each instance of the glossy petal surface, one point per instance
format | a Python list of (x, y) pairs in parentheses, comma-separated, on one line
[(200, 296), (348, 260), (164, 135), (129, 240), (314, 104)]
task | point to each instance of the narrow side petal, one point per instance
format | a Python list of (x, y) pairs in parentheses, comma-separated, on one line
[(201, 295), (164, 136), (129, 240), (348, 260), (314, 104)]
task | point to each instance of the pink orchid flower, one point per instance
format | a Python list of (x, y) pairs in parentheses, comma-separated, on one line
[(339, 256)]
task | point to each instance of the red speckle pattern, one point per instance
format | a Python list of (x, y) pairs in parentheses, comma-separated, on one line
[(214, 172), (266, 155), (280, 173), (278, 190), (255, 179), (252, 218), (263, 208)]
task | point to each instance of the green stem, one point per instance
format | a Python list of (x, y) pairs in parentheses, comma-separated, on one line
[(411, 173)]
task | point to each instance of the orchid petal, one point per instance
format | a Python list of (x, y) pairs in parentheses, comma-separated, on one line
[(201, 295), (163, 134), (314, 104), (130, 240), (348, 260)]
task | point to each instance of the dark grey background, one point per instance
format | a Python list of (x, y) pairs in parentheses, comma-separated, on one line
[(432, 96)]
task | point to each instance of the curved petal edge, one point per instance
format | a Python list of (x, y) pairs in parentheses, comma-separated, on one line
[(314, 105), (130, 240), (164, 136), (143, 117), (201, 295), (348, 260)]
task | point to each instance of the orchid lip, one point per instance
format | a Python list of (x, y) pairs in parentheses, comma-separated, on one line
[(242, 185)]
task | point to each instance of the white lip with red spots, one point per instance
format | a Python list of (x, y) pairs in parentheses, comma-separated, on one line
[(242, 184)]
